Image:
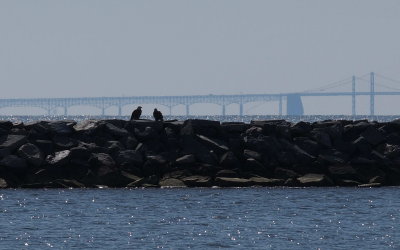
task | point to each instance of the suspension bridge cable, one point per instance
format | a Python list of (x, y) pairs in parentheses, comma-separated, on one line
[(330, 85), (387, 78), (386, 86)]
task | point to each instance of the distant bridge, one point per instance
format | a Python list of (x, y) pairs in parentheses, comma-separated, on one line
[(294, 105)]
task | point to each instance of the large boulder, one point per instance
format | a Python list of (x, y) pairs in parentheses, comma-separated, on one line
[(60, 158), (31, 153), (229, 160), (171, 182), (12, 142), (318, 180), (14, 164), (373, 136), (266, 182), (197, 181), (61, 127), (129, 158), (3, 183), (186, 160), (216, 145), (232, 182), (201, 127)]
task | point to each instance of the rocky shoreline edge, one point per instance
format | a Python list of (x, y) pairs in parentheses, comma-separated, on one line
[(199, 153)]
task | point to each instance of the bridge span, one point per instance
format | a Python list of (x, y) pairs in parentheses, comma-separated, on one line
[(294, 105)]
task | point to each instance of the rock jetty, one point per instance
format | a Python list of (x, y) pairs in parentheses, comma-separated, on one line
[(198, 153)]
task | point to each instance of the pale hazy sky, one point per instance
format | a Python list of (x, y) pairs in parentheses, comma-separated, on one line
[(112, 48)]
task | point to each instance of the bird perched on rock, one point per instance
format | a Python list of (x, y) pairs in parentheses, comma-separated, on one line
[(157, 115), (136, 113)]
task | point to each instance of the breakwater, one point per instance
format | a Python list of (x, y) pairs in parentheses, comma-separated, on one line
[(198, 153)]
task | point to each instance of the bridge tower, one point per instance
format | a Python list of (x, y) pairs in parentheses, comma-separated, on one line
[(294, 105), (353, 96), (280, 105), (187, 109), (372, 94)]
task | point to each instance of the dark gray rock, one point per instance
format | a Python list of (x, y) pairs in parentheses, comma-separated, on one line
[(14, 164), (321, 137), (197, 181), (232, 182), (252, 154), (3, 183), (300, 129), (302, 156), (45, 146), (226, 173), (63, 142), (116, 131), (31, 153), (373, 136), (185, 160), (207, 128), (234, 127), (283, 173), (104, 168), (61, 127), (80, 152), (129, 157), (392, 151), (266, 182), (342, 172), (12, 142), (171, 182), (318, 180), (229, 160), (60, 158), (216, 145), (308, 145)]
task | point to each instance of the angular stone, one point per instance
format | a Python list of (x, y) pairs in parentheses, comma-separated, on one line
[(226, 173), (315, 180), (283, 173), (31, 153), (116, 131), (63, 142), (252, 154), (171, 182), (229, 160), (266, 182), (3, 183), (216, 145), (12, 142), (186, 160), (342, 172), (232, 182), (308, 145), (60, 158), (129, 157), (234, 127), (197, 181), (373, 136), (370, 185), (14, 164), (61, 127)]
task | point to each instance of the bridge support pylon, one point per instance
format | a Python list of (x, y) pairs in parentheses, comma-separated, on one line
[(241, 109), (294, 105), (65, 111), (223, 110), (372, 94), (187, 109), (353, 96)]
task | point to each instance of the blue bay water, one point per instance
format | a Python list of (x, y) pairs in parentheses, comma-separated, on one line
[(257, 218)]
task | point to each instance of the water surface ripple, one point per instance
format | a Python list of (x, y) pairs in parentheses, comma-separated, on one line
[(260, 218)]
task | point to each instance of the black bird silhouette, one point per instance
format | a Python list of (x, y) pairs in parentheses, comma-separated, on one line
[(136, 113), (157, 115)]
